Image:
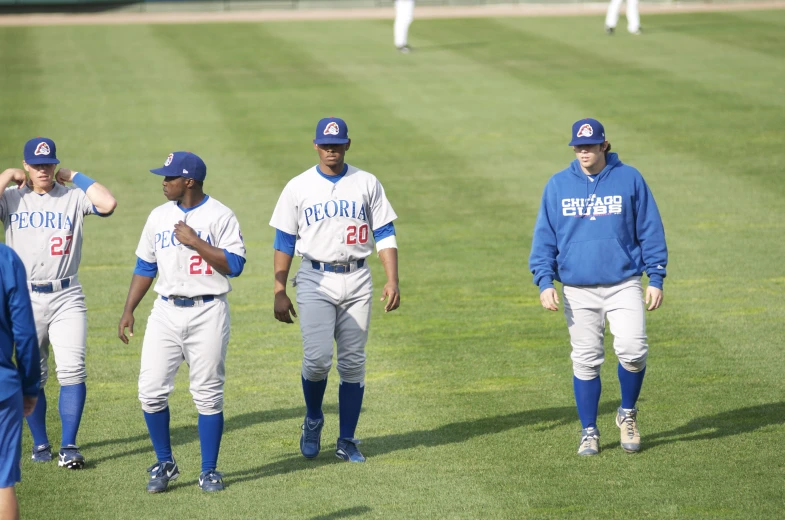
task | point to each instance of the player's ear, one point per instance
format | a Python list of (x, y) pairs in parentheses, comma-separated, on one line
[(26, 166), (348, 145)]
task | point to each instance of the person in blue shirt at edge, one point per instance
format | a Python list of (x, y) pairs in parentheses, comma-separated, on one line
[(597, 231), (20, 382)]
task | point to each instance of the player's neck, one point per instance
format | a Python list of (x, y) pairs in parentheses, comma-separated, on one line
[(191, 199), (40, 190), (331, 170)]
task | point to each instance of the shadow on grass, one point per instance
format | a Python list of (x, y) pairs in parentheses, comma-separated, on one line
[(724, 424), (344, 513), (542, 419), (186, 434), (448, 46)]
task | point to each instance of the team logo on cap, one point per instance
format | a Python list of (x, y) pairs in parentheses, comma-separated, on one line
[(169, 159), (585, 131), (42, 149), (332, 129)]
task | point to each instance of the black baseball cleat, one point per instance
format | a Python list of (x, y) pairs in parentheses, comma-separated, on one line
[(609, 30), (161, 473), (211, 480), (42, 453), (70, 457)]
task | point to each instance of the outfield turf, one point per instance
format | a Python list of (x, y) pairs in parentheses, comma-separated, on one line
[(469, 410)]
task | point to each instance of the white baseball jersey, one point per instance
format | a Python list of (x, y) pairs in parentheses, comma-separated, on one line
[(181, 271), (46, 230), (333, 222)]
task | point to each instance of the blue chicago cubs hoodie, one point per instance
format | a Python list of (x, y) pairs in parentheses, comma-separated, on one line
[(598, 229)]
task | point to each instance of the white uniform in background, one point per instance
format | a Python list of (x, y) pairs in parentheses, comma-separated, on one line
[(404, 14), (633, 18)]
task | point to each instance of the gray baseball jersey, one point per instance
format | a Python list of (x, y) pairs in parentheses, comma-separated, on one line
[(198, 335), (181, 271), (333, 223), (46, 231)]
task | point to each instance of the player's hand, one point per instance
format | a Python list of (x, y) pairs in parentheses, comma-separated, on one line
[(550, 299), (127, 320), (391, 290), (64, 175), (185, 234), (17, 176), (653, 298), (283, 308), (28, 404)]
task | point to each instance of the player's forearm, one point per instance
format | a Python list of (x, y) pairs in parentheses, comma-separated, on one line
[(5, 179), (213, 256), (139, 287), (282, 264), (101, 198), (389, 258)]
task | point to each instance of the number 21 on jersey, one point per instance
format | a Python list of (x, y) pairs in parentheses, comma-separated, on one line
[(197, 265), (59, 246)]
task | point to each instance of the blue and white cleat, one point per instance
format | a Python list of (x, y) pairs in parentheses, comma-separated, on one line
[(311, 438), (70, 457), (346, 449), (590, 442), (211, 480), (42, 453), (161, 473)]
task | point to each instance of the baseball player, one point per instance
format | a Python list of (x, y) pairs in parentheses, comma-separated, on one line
[(598, 230), (43, 223), (193, 243), (404, 14), (633, 17), (331, 215), (19, 383)]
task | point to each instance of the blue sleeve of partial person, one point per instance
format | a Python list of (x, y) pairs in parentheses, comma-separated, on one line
[(651, 236), (284, 242), (148, 269), (236, 264), (28, 358), (542, 260), (387, 230)]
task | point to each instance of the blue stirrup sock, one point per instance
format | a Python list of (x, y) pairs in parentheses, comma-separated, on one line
[(158, 426), (631, 383), (350, 401), (37, 420), (587, 398), (313, 391), (211, 428), (72, 399)]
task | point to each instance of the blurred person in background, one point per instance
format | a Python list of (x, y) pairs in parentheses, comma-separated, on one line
[(404, 14), (633, 18)]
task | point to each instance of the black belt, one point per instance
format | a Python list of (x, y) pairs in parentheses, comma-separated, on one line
[(182, 301), (48, 287), (336, 268)]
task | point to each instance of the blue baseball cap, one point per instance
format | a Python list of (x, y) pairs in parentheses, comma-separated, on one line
[(587, 131), (183, 164), (331, 130), (41, 150)]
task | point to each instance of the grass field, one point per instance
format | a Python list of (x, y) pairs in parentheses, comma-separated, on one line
[(469, 410)]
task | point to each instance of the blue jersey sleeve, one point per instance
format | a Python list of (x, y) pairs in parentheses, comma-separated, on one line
[(236, 264), (284, 242), (28, 358), (542, 260), (651, 235), (148, 269), (387, 230)]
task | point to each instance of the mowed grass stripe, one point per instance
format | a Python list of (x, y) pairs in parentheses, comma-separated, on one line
[(469, 409)]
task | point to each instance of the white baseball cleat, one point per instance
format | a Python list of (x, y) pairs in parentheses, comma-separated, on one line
[(627, 421)]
